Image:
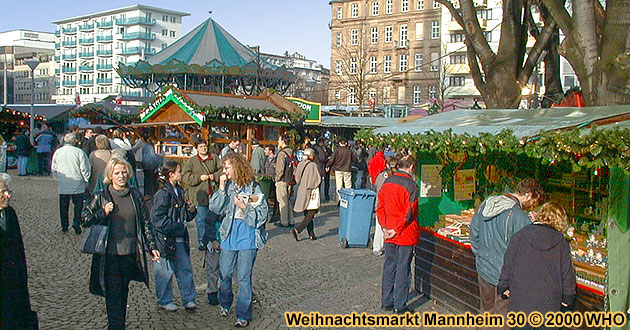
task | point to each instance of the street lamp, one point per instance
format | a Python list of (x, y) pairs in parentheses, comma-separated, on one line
[(32, 63)]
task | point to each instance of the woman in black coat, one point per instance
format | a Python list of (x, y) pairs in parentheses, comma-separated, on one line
[(122, 209), (537, 273)]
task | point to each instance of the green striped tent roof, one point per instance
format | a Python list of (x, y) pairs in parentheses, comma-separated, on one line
[(208, 42)]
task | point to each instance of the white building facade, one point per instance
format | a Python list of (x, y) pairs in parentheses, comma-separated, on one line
[(90, 47)]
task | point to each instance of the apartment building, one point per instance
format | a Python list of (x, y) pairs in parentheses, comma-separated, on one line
[(384, 51), (16, 47), (88, 49)]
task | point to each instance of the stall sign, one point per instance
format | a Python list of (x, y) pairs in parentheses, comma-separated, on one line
[(464, 185), (313, 109), (430, 181)]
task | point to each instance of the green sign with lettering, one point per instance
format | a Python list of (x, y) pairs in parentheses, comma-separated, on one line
[(313, 109)]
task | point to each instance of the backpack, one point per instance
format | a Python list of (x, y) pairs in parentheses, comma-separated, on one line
[(290, 163)]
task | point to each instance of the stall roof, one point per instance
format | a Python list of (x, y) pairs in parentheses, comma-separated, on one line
[(223, 100), (355, 122), (523, 122), (50, 111)]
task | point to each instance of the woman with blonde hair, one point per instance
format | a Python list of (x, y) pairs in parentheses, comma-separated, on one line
[(242, 204), (121, 208), (537, 273)]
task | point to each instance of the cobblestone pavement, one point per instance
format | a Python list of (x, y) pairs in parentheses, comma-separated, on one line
[(288, 276)]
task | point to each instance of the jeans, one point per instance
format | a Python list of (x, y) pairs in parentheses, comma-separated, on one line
[(118, 273), (491, 302), (358, 181), (282, 194), (396, 275), (43, 163), (324, 187), (227, 261), (21, 165), (203, 214), (180, 266), (64, 205), (212, 269), (342, 180)]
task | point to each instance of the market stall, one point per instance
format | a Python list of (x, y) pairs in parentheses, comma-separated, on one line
[(468, 155)]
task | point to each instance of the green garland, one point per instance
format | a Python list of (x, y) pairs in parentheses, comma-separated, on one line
[(582, 148)]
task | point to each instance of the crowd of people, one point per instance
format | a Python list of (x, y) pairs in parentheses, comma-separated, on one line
[(220, 192)]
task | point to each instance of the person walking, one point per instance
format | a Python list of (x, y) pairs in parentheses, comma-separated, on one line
[(397, 213), (121, 208), (283, 177), (232, 147), (258, 158), (378, 242), (361, 164), (119, 140), (46, 143), (199, 174), (537, 273), (341, 162), (150, 164), (497, 219), (308, 200), (15, 304), (98, 160), (23, 149), (376, 165), (71, 168), (270, 171), (169, 214), (241, 203), (322, 153)]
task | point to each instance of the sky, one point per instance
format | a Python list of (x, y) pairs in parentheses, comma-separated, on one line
[(274, 25)]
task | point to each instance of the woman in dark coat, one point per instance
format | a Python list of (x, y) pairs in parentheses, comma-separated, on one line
[(14, 298), (121, 208), (537, 273)]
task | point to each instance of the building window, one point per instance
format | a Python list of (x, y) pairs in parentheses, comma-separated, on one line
[(388, 34), (387, 64), (417, 94), (375, 8), (173, 34), (488, 35), (353, 36), (457, 37), (435, 62), (403, 35), (419, 31), (353, 65), (164, 18), (339, 12), (436, 5), (164, 46), (173, 19), (432, 90), (373, 64), (355, 10), (456, 80), (389, 7), (403, 63), (435, 29), (338, 95), (404, 6), (420, 5), (374, 35), (569, 81), (164, 32), (338, 67), (457, 59), (351, 96), (339, 39), (418, 61), (485, 14)]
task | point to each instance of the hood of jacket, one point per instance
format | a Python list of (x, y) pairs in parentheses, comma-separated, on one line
[(496, 205), (542, 237)]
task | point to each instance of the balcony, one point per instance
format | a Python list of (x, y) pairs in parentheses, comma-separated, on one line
[(56, 58), (135, 21), (136, 94), (86, 68), (103, 67), (70, 30), (86, 54), (104, 52), (86, 27), (69, 44), (86, 82), (57, 33), (104, 80), (57, 45), (105, 25), (104, 38), (56, 83), (138, 35), (69, 83), (138, 51), (86, 41), (69, 57), (56, 71), (69, 70)]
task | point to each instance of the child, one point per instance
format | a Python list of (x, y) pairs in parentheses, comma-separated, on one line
[(537, 273)]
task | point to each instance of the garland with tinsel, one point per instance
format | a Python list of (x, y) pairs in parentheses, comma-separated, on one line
[(98, 110), (582, 148), (19, 115)]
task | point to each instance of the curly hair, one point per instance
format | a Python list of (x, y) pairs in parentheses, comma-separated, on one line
[(554, 215), (531, 186), (243, 173)]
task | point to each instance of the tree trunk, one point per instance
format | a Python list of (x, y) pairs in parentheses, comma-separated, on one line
[(502, 89), (553, 85)]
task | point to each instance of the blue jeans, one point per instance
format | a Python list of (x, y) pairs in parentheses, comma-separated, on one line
[(358, 181), (227, 261), (180, 266), (203, 213), (396, 275), (21, 165)]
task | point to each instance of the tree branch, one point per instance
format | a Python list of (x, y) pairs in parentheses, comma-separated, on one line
[(560, 15), (534, 53), (473, 64)]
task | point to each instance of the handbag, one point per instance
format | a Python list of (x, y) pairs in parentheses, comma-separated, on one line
[(313, 201), (95, 240)]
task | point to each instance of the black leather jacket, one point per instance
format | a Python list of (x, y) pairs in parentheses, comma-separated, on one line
[(169, 214)]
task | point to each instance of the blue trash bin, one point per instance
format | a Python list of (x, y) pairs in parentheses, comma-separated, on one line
[(355, 217)]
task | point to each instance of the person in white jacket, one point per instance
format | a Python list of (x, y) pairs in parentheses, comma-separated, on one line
[(71, 168)]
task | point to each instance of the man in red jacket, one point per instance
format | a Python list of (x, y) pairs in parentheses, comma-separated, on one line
[(397, 213), (376, 165)]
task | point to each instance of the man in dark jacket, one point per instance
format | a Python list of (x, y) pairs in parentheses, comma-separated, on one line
[(46, 143), (321, 158), (341, 162), (23, 148), (284, 176), (497, 219), (397, 213), (91, 134), (14, 297)]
